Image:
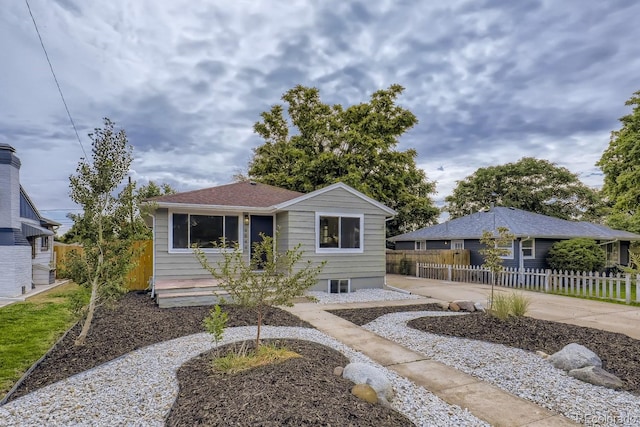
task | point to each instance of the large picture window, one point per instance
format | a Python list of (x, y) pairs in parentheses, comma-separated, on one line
[(204, 230), (339, 233)]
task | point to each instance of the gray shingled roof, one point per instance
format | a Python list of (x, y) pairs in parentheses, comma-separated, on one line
[(520, 223)]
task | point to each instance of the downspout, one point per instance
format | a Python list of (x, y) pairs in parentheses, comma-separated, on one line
[(153, 270)]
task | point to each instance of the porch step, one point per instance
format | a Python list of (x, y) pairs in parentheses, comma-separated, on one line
[(191, 298)]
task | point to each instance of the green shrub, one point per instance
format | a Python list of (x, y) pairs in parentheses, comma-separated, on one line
[(215, 323), (576, 255)]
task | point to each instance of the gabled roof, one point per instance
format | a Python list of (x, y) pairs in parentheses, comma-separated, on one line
[(331, 187), (251, 196), (520, 223), (239, 194)]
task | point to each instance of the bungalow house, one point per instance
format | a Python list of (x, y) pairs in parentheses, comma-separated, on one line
[(534, 236), (336, 223), (26, 238)]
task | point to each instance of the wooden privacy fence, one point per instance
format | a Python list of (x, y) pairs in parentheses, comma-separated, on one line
[(404, 262), (618, 287), (138, 277)]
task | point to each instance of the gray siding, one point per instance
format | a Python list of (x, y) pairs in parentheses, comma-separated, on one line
[(180, 265), (339, 200), (406, 245), (439, 244)]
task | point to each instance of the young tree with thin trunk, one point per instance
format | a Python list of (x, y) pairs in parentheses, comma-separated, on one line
[(107, 253), (494, 252), (279, 281)]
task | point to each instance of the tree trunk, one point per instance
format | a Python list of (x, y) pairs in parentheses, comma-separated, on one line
[(92, 308), (259, 326)]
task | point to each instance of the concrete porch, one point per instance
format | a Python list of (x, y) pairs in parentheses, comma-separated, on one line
[(188, 292)]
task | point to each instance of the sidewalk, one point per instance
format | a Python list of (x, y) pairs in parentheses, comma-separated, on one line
[(4, 301), (483, 400), (607, 316)]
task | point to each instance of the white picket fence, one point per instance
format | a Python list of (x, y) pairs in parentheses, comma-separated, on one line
[(619, 287)]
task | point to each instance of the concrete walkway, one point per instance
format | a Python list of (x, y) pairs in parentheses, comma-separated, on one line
[(607, 316), (483, 400), (4, 301)]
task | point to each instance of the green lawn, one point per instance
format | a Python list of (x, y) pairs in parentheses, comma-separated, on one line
[(28, 329)]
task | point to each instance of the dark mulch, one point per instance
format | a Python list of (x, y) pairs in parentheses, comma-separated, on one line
[(620, 354), (362, 316), (300, 391), (134, 322)]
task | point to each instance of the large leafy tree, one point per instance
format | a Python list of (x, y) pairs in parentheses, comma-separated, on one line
[(530, 184), (107, 253), (354, 145), (620, 164)]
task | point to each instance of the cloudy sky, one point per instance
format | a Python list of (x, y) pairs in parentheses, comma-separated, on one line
[(490, 81)]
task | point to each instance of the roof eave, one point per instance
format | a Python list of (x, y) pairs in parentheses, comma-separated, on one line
[(197, 206)]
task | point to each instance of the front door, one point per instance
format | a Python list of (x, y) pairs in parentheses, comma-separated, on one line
[(260, 224)]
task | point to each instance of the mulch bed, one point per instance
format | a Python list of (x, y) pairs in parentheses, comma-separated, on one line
[(362, 316), (620, 353), (134, 322), (296, 392)]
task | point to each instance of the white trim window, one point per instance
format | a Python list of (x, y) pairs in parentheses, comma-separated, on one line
[(457, 244), (186, 230), (44, 243), (339, 233), (508, 247), (339, 286), (421, 245), (528, 248)]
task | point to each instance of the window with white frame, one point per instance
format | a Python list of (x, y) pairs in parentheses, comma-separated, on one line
[(44, 243), (528, 248), (508, 248), (204, 231), (339, 286), (339, 233), (421, 245), (457, 244)]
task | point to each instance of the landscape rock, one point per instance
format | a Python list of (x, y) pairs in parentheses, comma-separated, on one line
[(454, 307), (362, 373), (597, 376), (465, 305), (443, 305), (337, 371), (542, 354), (479, 306), (574, 356), (365, 392)]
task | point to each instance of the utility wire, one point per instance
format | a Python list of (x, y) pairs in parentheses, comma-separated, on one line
[(55, 79)]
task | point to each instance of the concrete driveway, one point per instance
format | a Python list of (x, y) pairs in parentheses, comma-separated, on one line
[(607, 316)]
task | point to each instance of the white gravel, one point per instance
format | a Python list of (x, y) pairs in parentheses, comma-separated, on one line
[(139, 388), (361, 295), (519, 372)]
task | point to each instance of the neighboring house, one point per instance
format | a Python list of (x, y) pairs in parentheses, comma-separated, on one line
[(26, 238), (336, 223), (534, 236)]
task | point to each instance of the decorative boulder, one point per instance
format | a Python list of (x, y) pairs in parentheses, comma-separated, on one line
[(596, 376), (479, 307), (465, 305), (361, 373), (454, 307), (337, 371), (365, 392), (574, 356), (443, 305)]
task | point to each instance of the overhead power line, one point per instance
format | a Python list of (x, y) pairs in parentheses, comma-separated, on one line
[(55, 79)]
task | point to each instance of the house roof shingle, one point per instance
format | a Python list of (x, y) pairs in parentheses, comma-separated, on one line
[(245, 193), (520, 223)]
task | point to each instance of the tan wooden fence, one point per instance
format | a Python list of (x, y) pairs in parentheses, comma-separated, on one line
[(138, 277), (404, 262), (618, 287)]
